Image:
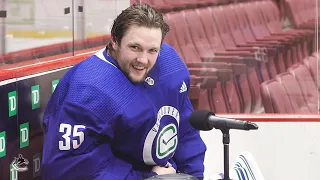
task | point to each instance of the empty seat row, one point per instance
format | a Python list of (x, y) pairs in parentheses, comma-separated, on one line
[(164, 6), (302, 14), (224, 96), (243, 34), (294, 91)]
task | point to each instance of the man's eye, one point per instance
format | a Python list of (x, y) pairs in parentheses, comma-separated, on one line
[(134, 47), (154, 50)]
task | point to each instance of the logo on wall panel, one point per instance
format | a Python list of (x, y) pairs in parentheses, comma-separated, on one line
[(24, 135), (19, 164), (12, 103), (54, 84), (35, 97), (2, 144), (36, 164)]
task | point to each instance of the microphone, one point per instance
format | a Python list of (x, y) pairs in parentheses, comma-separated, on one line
[(206, 120)]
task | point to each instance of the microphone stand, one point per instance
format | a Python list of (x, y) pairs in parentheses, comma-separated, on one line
[(226, 142)]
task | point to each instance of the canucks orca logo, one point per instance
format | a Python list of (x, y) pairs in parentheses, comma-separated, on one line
[(166, 139), (20, 164)]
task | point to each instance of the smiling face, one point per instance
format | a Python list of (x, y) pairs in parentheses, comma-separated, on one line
[(138, 51)]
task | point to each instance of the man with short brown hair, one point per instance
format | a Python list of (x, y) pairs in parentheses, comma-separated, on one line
[(123, 113)]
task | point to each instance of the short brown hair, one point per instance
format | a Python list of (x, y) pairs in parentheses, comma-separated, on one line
[(140, 15)]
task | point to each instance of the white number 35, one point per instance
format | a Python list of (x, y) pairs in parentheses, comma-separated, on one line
[(67, 129)]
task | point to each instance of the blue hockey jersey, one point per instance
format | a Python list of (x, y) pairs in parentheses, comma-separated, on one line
[(99, 125)]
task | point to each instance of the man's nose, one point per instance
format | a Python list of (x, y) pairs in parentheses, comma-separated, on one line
[(143, 58)]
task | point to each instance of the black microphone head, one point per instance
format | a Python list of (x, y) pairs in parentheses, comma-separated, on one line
[(199, 120)]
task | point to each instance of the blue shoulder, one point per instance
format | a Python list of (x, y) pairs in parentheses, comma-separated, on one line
[(172, 67), (97, 84), (170, 62)]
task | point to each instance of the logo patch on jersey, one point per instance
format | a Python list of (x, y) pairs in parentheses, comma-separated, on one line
[(183, 87), (165, 139), (150, 81)]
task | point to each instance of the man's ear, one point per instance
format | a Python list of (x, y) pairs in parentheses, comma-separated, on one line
[(114, 44)]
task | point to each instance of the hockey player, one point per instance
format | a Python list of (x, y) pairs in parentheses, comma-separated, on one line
[(123, 112)]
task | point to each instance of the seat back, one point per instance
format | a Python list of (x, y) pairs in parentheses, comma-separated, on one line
[(311, 63), (294, 93), (171, 39), (293, 12), (197, 33), (210, 28), (244, 22), (307, 85), (255, 19), (233, 23), (222, 26), (271, 16), (183, 37), (275, 98)]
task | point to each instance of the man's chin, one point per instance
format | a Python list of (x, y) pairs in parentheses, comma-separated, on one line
[(137, 80)]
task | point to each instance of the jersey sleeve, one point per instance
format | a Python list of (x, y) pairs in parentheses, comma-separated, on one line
[(190, 153), (77, 141)]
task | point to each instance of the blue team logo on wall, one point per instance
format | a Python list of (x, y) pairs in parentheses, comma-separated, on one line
[(165, 140)]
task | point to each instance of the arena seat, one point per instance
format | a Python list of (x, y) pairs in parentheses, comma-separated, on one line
[(205, 83), (294, 93), (306, 83), (225, 96), (308, 14), (267, 69), (219, 15), (215, 41), (300, 42), (301, 13), (214, 38), (261, 33), (165, 6), (311, 63), (250, 38), (185, 50), (182, 42), (160, 5), (188, 45), (271, 16), (225, 35), (185, 47), (275, 98)]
